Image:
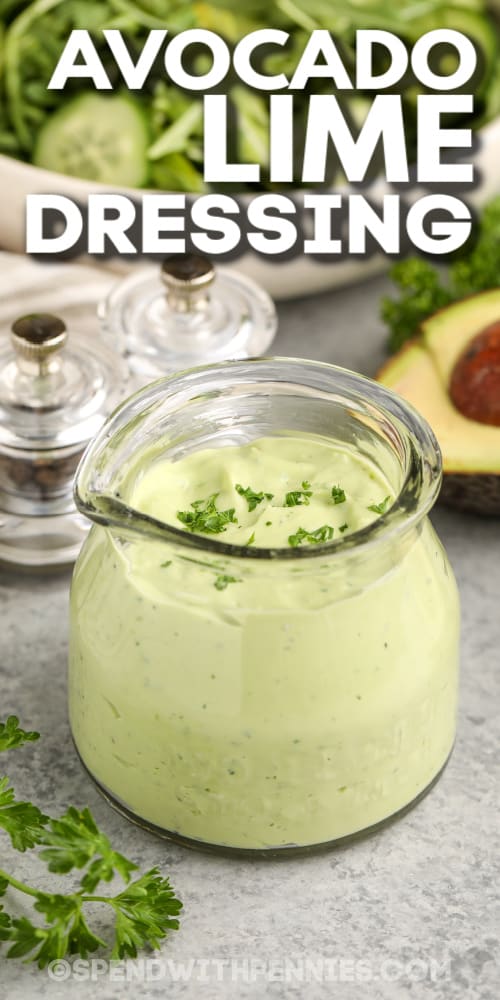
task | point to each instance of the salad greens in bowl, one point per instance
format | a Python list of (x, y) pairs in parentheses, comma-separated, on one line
[(153, 138)]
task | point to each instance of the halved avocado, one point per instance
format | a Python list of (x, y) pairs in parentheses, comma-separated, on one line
[(424, 372)]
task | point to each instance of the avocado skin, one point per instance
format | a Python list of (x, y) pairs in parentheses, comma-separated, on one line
[(475, 493), (443, 337)]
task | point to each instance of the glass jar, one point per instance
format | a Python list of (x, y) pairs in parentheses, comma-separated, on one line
[(315, 700)]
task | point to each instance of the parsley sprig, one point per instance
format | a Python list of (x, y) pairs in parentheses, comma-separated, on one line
[(422, 289), (252, 498), (143, 912), (299, 498), (11, 735), (22, 821), (205, 518), (74, 841), (323, 534)]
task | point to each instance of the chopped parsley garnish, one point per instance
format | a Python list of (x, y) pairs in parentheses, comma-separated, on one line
[(323, 534), (205, 517), (251, 539), (299, 498), (379, 508), (166, 564), (343, 527), (252, 498), (338, 495), (223, 580)]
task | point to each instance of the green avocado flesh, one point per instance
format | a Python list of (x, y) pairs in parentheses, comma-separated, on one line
[(421, 372)]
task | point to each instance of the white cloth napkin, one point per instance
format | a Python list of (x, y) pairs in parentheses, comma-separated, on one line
[(71, 291)]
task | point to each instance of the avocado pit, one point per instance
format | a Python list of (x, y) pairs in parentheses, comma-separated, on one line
[(475, 380)]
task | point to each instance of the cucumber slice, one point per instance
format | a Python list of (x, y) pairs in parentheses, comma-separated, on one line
[(97, 138)]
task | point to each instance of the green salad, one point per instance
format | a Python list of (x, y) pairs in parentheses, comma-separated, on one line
[(155, 138)]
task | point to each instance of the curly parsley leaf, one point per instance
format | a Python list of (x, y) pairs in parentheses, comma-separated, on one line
[(299, 498), (5, 925), (145, 911), (423, 289), (81, 939), (73, 841), (65, 933), (421, 294), (205, 518), (478, 268), (338, 495), (252, 498), (27, 937), (12, 736), (23, 821), (323, 534), (5, 919)]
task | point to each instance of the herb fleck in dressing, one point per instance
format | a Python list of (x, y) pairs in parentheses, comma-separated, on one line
[(263, 703)]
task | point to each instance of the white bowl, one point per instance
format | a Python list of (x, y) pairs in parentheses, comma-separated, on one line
[(288, 279)]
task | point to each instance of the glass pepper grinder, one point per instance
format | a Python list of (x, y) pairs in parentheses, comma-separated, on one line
[(186, 313), (55, 394)]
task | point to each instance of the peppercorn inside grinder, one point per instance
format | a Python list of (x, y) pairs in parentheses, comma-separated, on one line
[(184, 314), (55, 395)]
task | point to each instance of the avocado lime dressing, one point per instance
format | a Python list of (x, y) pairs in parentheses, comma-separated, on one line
[(274, 487), (263, 702)]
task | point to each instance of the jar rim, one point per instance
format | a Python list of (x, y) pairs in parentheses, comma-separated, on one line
[(416, 496)]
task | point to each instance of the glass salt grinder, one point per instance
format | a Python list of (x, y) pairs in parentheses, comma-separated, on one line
[(55, 394), (186, 313)]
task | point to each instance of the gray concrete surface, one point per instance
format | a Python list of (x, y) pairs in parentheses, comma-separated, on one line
[(412, 912)]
